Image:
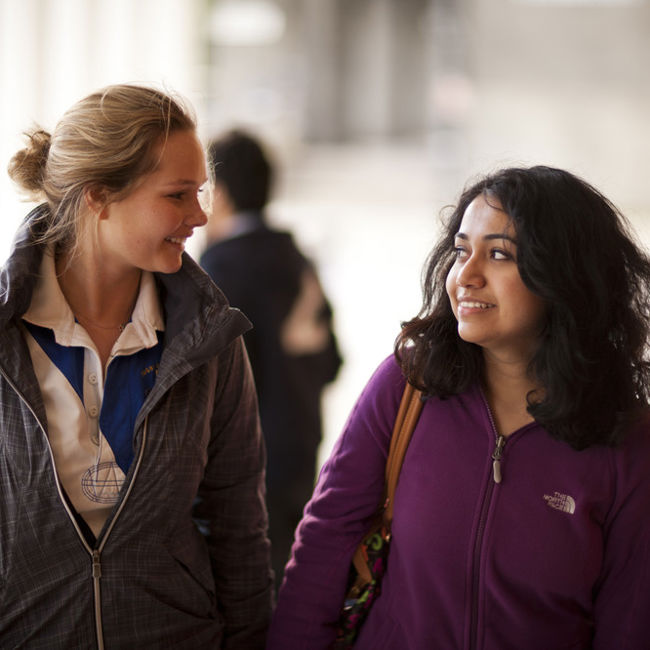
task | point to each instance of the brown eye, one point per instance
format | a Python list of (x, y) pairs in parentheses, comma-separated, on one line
[(459, 252), (500, 254)]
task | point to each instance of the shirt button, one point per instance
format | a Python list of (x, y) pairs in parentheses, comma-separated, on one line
[(92, 378), (93, 411)]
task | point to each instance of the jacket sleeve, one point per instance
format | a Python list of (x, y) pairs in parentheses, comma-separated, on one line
[(346, 497), (231, 505), (622, 599)]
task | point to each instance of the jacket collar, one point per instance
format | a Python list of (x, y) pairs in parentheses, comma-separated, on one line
[(198, 319), (19, 274)]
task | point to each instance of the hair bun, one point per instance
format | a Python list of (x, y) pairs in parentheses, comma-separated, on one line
[(27, 166)]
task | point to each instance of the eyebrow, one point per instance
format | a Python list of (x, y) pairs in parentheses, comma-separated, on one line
[(184, 182), (462, 235)]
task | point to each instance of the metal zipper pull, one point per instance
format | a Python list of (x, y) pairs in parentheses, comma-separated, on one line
[(496, 458), (97, 567)]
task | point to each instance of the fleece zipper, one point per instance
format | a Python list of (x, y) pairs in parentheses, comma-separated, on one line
[(493, 481), (95, 554)]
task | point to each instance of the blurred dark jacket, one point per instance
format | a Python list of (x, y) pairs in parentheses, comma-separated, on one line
[(263, 273)]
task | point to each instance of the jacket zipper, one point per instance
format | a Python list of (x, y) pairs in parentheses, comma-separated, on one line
[(497, 454), (496, 458), (95, 554), (97, 574)]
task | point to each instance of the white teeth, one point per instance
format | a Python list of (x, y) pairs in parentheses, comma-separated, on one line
[(176, 240), (474, 305)]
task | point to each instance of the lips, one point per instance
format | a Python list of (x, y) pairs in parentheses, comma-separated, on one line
[(474, 304)]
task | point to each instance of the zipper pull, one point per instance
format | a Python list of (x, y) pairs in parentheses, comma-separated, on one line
[(496, 458), (97, 567)]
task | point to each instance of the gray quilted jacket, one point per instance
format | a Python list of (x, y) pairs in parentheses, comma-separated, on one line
[(182, 561)]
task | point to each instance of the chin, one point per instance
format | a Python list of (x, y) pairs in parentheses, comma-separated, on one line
[(168, 267), (174, 269), (470, 337)]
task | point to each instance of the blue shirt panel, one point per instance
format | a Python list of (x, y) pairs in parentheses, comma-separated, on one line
[(129, 379)]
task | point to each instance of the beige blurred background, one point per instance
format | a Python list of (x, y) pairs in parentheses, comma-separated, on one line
[(377, 111)]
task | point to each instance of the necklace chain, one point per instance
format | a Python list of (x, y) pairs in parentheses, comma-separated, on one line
[(120, 327)]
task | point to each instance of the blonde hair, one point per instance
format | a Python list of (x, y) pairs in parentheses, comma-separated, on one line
[(108, 141)]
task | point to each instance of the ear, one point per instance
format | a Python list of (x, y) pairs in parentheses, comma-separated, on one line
[(96, 200)]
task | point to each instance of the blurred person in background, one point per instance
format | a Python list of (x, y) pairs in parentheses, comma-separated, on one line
[(292, 347), (131, 459), (521, 512)]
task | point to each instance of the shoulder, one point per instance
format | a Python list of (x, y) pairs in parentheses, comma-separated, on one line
[(633, 454), (629, 475), (19, 273), (377, 404), (358, 458), (387, 377)]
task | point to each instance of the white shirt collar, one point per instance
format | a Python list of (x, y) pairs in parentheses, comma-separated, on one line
[(49, 308)]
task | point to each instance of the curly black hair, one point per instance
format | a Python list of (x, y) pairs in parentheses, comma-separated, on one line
[(577, 252)]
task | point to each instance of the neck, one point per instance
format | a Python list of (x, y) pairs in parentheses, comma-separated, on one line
[(507, 386), (101, 297)]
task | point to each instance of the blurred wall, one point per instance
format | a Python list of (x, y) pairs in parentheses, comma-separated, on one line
[(569, 85)]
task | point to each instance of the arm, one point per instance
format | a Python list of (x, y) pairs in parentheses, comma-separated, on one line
[(231, 501), (345, 499), (306, 332), (622, 600)]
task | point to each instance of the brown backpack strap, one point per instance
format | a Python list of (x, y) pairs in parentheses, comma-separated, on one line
[(407, 417)]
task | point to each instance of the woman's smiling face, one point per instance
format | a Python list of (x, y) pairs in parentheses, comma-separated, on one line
[(492, 305), (148, 228)]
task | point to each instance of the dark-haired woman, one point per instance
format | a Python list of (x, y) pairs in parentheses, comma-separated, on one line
[(131, 460), (522, 514)]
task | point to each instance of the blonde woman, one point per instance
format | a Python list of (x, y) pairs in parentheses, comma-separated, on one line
[(132, 509)]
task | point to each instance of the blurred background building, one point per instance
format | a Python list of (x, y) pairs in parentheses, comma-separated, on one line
[(378, 112)]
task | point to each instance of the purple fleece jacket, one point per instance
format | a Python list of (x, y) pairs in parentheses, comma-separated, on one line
[(557, 555)]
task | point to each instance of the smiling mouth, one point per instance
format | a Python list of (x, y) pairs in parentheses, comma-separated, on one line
[(471, 304), (176, 240)]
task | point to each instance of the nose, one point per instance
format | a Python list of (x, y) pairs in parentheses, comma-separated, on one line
[(470, 274), (196, 216)]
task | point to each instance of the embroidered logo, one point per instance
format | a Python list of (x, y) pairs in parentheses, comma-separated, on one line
[(562, 502)]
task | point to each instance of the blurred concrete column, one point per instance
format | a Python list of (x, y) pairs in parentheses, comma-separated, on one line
[(410, 65), (368, 75), (366, 67), (323, 46)]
